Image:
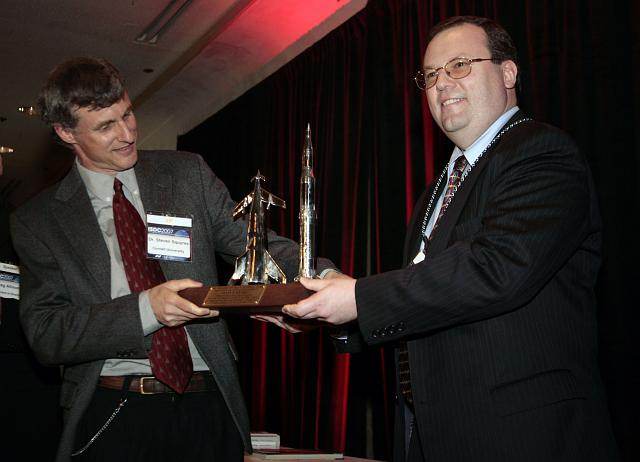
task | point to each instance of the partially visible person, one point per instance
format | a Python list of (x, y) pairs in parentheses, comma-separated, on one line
[(494, 315), (30, 415)]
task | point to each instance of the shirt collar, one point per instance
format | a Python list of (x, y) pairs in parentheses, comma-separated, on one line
[(480, 144), (101, 184)]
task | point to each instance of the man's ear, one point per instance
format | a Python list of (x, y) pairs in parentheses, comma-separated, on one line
[(509, 74), (65, 133)]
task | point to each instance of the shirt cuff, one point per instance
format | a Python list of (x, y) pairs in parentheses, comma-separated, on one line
[(339, 334), (344, 338), (326, 271), (149, 321)]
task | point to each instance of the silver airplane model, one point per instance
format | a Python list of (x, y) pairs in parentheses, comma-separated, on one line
[(307, 217), (255, 265)]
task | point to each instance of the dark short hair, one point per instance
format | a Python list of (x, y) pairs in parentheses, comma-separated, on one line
[(85, 82), (499, 41)]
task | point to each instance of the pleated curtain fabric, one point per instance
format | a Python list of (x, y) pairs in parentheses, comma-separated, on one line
[(169, 357)]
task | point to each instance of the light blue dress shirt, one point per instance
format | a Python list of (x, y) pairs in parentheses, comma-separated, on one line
[(471, 153)]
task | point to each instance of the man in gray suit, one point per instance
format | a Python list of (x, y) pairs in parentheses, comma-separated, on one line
[(77, 307)]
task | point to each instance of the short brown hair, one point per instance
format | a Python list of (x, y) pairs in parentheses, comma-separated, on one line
[(93, 83), (499, 41)]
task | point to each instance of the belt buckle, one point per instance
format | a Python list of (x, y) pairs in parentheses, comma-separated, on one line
[(142, 379)]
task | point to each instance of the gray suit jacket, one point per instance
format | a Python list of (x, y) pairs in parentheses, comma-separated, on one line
[(66, 309)]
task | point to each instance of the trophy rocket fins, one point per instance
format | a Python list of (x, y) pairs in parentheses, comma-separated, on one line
[(255, 265), (307, 217)]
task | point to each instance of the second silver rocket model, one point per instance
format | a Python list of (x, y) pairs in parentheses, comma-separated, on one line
[(307, 262)]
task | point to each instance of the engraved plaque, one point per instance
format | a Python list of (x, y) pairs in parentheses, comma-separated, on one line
[(249, 299), (233, 296)]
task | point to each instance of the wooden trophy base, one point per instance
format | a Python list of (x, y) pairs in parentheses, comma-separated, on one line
[(249, 299)]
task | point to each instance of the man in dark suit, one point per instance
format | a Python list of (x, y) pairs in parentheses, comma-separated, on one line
[(92, 300), (495, 308)]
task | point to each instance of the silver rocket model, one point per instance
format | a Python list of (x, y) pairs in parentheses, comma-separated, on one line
[(307, 261), (255, 265)]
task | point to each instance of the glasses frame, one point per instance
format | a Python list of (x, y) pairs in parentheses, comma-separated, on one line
[(420, 77)]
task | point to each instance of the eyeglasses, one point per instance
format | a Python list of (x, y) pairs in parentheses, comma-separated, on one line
[(457, 68)]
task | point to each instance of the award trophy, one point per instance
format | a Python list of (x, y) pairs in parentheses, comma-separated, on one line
[(258, 285)]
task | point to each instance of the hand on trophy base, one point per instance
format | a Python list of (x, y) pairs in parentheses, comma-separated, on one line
[(334, 301), (295, 325)]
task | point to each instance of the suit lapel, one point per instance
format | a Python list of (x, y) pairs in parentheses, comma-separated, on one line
[(156, 191), (78, 222), (414, 238), (77, 219), (450, 218)]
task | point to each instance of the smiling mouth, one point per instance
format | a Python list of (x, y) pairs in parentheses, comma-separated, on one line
[(451, 101), (125, 148)]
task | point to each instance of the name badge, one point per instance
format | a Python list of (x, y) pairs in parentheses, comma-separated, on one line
[(9, 281), (169, 236)]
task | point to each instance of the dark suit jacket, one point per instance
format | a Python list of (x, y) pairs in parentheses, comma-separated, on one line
[(500, 318), (66, 308)]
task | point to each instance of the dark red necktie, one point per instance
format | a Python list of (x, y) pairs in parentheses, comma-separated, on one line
[(169, 356), (404, 372), (452, 186)]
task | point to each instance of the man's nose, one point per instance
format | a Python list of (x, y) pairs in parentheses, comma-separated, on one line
[(126, 133), (443, 80)]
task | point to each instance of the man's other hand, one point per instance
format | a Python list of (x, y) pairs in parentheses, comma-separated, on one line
[(287, 323), (334, 301), (171, 309)]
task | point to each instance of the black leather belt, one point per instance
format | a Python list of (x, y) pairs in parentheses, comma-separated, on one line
[(149, 385)]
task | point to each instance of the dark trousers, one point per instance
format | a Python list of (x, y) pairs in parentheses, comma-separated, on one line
[(160, 427)]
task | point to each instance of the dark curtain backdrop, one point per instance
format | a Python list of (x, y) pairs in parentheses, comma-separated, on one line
[(376, 150)]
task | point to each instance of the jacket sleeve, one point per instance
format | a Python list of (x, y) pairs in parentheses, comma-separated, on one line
[(535, 217), (60, 330)]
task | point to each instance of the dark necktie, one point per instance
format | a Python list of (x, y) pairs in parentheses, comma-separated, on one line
[(404, 372), (169, 356)]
